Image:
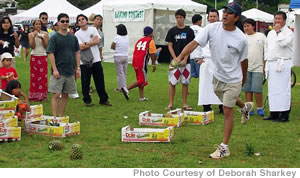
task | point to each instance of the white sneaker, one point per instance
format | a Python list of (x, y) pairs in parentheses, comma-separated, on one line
[(74, 96), (221, 152), (246, 114), (125, 92), (143, 99)]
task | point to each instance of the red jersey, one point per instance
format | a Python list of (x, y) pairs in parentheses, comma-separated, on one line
[(4, 72), (141, 53)]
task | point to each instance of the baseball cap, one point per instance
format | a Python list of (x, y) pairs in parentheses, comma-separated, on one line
[(147, 31), (6, 55), (234, 7)]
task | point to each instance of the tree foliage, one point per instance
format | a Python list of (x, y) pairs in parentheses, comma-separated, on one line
[(270, 6), (81, 4)]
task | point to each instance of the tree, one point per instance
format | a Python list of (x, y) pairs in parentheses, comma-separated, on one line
[(27, 4), (81, 4)]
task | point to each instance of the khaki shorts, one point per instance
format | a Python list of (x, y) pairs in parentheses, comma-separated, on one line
[(63, 84), (228, 93)]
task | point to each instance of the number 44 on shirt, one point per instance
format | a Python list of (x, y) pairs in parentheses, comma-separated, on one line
[(142, 45)]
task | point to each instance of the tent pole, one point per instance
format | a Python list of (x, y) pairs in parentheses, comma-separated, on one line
[(215, 4)]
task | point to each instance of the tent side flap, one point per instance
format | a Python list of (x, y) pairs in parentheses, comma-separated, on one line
[(159, 14)]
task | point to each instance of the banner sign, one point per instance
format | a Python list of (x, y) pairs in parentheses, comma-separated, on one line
[(129, 15)]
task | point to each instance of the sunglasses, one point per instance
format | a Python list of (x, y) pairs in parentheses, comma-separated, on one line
[(64, 21), (228, 11), (44, 18)]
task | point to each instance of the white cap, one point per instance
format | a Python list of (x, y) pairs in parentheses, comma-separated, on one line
[(6, 55)]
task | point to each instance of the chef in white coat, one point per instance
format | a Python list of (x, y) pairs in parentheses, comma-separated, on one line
[(207, 95), (279, 52)]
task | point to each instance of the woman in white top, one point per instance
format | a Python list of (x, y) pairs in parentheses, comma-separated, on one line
[(120, 45), (38, 41)]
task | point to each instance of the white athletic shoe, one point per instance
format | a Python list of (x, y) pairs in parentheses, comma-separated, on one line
[(143, 99), (221, 152), (246, 114), (125, 92), (74, 96)]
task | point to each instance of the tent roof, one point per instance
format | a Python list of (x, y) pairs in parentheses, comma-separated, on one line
[(96, 9), (258, 15), (173, 5), (52, 7)]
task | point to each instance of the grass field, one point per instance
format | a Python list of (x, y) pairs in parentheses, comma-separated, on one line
[(277, 143)]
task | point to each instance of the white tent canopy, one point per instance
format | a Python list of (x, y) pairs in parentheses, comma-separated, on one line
[(136, 14), (296, 59), (53, 9), (297, 11), (254, 14), (259, 15), (96, 9), (171, 5)]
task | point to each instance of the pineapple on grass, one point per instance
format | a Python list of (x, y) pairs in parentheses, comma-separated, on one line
[(55, 145), (76, 152)]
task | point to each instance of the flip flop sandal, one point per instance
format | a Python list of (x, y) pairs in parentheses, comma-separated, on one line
[(169, 108)]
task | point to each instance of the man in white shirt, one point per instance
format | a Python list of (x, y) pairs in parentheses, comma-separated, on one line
[(229, 52), (98, 19), (88, 38), (207, 95), (255, 74), (279, 52), (197, 53)]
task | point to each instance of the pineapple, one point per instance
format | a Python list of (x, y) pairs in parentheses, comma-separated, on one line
[(76, 151), (55, 145), (54, 124)]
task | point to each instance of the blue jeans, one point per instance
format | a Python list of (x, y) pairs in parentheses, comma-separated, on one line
[(195, 68), (254, 82)]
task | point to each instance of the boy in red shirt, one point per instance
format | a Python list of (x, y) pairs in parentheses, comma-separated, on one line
[(143, 48), (6, 71)]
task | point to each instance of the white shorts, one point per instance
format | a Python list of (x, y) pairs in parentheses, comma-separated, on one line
[(182, 73)]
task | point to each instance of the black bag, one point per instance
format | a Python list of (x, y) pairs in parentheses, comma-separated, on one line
[(86, 57)]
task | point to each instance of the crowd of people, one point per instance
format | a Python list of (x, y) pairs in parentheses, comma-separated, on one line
[(226, 59)]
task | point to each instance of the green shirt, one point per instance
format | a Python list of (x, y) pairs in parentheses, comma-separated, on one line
[(64, 49)]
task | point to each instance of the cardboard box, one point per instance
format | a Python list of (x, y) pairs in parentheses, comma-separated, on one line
[(6, 114), (147, 134), (64, 119), (200, 118), (10, 133), (193, 117), (43, 127), (9, 122), (7, 101), (165, 120), (36, 111), (23, 122)]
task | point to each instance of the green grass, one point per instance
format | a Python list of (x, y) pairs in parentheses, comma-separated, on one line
[(278, 143)]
